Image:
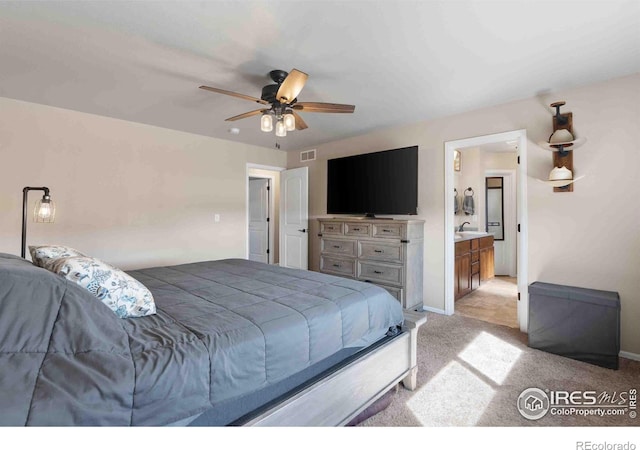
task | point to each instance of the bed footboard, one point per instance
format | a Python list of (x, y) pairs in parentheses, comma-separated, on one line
[(339, 397), (413, 321)]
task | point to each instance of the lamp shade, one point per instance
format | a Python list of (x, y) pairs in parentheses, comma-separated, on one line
[(281, 128), (266, 123), (560, 136), (45, 210), (289, 121)]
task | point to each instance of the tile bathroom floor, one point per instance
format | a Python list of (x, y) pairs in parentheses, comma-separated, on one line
[(495, 301)]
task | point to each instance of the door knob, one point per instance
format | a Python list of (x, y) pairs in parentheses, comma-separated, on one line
[(303, 230)]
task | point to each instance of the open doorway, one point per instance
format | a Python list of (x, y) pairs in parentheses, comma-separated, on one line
[(485, 254), (287, 216), (488, 179)]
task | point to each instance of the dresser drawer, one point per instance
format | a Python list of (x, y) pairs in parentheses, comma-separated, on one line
[(475, 267), (332, 228), (380, 272), (389, 230), (338, 247), (380, 251), (356, 229), (338, 266), (475, 256)]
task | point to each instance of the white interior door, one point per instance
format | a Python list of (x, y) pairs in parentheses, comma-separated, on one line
[(258, 220), (294, 218)]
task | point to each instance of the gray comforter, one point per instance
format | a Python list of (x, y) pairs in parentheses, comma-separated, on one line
[(223, 329)]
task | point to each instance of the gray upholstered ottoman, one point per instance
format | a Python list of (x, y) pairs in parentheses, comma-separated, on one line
[(578, 323)]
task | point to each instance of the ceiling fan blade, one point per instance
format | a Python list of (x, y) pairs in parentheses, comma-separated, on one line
[(245, 115), (234, 94), (324, 107), (291, 86), (300, 124)]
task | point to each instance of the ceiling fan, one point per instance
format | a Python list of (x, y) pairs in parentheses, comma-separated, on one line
[(282, 101)]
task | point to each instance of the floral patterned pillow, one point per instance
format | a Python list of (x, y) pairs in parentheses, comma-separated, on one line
[(45, 255), (123, 294)]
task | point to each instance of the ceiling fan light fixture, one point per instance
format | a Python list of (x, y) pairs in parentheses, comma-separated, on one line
[(282, 106), (281, 128), (266, 122), (289, 121)]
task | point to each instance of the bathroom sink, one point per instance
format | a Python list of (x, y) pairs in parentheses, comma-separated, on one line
[(469, 234)]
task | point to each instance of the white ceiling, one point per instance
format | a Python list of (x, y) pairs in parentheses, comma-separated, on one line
[(398, 62)]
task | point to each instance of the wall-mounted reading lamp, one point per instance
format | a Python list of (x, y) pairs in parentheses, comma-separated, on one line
[(44, 211), (562, 142)]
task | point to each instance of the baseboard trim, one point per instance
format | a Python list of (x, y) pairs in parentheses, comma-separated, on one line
[(433, 310), (629, 355), (622, 354)]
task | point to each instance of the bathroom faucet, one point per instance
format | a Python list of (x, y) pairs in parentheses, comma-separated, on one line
[(462, 226)]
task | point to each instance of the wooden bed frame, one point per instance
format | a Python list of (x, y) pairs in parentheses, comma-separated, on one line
[(339, 397)]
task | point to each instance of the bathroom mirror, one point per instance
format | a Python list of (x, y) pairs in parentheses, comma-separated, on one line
[(495, 207)]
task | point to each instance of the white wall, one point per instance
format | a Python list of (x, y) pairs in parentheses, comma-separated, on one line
[(471, 175), (132, 194), (474, 162), (587, 238)]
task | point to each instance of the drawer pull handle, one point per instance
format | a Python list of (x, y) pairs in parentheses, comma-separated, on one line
[(336, 246), (378, 272), (356, 229), (337, 265), (386, 231), (379, 251)]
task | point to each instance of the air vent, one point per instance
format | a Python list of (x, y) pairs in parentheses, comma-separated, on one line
[(309, 155)]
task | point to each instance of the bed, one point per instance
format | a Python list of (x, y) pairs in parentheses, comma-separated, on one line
[(233, 342)]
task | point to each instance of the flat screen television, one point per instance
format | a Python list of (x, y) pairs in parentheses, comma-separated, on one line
[(374, 183)]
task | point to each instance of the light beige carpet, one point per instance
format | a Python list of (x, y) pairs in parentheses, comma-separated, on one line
[(471, 373)]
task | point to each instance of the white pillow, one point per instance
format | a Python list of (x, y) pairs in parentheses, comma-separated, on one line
[(123, 294), (45, 255)]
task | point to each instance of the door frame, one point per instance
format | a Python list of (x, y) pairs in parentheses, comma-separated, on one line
[(513, 200), (272, 203), (520, 136)]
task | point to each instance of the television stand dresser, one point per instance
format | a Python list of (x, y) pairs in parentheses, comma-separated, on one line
[(385, 252)]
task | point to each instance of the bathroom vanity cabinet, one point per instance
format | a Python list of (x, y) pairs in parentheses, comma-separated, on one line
[(474, 263)]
